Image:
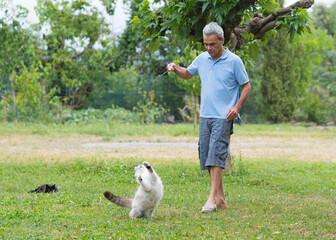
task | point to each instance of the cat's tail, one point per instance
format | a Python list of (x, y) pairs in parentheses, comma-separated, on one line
[(120, 201)]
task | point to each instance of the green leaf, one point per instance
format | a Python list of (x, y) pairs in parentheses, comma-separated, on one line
[(254, 50), (269, 6), (154, 45), (135, 19), (247, 35), (205, 5)]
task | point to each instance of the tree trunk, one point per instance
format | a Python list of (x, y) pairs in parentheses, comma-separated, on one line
[(13, 96), (60, 120), (195, 110), (4, 114), (228, 163), (43, 84)]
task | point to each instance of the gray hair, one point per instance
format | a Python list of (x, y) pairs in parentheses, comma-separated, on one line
[(213, 28)]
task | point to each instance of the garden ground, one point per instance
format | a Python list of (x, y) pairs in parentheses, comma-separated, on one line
[(283, 183)]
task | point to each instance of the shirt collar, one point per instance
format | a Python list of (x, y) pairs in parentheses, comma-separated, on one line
[(223, 57)]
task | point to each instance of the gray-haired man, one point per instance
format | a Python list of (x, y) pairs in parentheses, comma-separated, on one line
[(221, 72)]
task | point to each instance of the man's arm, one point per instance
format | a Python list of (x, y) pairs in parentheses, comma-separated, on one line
[(182, 72), (233, 112)]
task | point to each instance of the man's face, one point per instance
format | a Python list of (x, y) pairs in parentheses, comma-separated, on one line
[(213, 45)]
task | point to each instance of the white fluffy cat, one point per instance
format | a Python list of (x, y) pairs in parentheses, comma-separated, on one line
[(148, 195)]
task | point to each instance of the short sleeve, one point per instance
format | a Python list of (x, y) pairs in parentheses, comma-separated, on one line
[(240, 72), (193, 67)]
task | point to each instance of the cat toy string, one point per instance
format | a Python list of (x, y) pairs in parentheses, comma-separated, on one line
[(153, 80)]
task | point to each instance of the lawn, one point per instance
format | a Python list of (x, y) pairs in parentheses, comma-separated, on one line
[(273, 197)]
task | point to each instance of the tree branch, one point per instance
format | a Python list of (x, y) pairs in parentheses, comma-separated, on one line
[(260, 24)]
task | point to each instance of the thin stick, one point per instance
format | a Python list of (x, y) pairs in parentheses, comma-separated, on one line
[(153, 80)]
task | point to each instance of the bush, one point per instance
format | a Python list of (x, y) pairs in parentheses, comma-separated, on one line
[(149, 111)]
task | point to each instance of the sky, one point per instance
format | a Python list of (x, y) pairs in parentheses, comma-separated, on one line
[(118, 21)]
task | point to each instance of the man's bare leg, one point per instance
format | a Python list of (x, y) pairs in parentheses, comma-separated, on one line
[(220, 199), (216, 197)]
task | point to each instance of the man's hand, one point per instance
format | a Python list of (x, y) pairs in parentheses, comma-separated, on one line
[(171, 67), (232, 113), (182, 72)]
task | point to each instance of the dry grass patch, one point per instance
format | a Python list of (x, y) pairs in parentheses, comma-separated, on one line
[(66, 147)]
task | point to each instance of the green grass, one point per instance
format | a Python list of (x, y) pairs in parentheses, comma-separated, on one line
[(116, 129), (267, 200)]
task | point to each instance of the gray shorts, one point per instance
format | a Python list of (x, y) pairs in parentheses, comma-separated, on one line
[(214, 139)]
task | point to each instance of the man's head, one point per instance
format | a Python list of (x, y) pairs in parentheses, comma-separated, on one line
[(213, 38), (213, 28)]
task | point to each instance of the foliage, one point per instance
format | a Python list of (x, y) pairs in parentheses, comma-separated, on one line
[(252, 110), (136, 59), (145, 112), (279, 85), (323, 18), (193, 85), (70, 60), (182, 18), (190, 111), (185, 19), (126, 80), (136, 50), (318, 109), (29, 91), (149, 111), (16, 52), (15, 42), (324, 88), (296, 22), (92, 115), (4, 104), (77, 66), (294, 63)]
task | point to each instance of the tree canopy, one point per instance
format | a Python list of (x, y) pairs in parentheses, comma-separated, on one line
[(71, 60), (242, 21)]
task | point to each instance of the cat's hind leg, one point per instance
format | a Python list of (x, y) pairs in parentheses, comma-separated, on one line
[(135, 214), (150, 213)]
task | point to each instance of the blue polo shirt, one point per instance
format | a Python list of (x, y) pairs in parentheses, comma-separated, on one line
[(220, 82)]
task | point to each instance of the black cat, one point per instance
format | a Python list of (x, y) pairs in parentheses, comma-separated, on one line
[(45, 188)]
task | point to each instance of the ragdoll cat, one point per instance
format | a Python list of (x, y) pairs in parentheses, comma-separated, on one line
[(146, 198)]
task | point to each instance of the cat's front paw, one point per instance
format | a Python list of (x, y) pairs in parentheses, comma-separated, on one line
[(148, 166)]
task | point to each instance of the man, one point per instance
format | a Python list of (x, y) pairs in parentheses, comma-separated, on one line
[(221, 72)]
